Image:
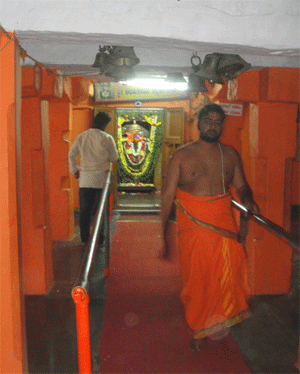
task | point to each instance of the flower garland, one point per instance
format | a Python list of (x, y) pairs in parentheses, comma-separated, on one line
[(138, 157)]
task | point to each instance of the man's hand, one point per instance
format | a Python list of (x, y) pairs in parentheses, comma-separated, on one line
[(245, 195), (251, 206), (166, 252), (169, 244), (77, 174)]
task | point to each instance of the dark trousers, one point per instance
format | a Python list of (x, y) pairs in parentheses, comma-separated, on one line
[(89, 199)]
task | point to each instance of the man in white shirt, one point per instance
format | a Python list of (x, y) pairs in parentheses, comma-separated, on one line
[(97, 150)]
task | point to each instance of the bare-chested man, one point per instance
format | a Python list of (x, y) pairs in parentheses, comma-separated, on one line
[(213, 264)]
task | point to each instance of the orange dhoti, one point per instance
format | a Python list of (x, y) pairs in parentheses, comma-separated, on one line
[(212, 264)]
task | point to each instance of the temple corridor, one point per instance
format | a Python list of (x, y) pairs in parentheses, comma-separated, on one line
[(268, 340)]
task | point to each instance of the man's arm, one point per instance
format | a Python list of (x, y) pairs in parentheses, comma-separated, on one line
[(112, 150), (242, 188), (168, 196)]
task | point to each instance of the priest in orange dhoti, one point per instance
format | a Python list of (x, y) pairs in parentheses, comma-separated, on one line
[(213, 264)]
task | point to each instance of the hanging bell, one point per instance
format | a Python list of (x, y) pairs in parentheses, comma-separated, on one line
[(230, 66), (120, 73), (124, 56), (102, 59), (196, 84), (209, 67)]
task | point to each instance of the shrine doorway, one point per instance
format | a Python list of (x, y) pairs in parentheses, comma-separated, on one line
[(145, 138)]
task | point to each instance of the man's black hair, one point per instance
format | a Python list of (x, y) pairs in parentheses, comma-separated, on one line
[(101, 120), (211, 107)]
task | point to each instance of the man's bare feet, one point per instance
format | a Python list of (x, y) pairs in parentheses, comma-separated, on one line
[(196, 345)]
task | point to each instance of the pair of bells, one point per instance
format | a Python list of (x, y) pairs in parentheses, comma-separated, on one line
[(215, 66), (116, 62)]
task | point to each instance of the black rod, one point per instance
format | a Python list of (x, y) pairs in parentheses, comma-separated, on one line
[(269, 225), (85, 270)]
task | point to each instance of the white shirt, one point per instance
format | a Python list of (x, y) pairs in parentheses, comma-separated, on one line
[(97, 150)]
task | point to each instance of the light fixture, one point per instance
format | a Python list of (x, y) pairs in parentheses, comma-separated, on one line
[(175, 78), (145, 83)]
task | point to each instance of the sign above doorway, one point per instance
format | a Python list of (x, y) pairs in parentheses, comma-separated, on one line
[(111, 91)]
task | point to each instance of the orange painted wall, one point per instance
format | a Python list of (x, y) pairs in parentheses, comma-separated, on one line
[(272, 132), (232, 130), (266, 138), (36, 228), (280, 85), (45, 179), (45, 197), (76, 94), (269, 140), (12, 357), (62, 219), (58, 116)]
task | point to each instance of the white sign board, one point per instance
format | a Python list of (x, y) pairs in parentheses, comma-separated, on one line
[(231, 109)]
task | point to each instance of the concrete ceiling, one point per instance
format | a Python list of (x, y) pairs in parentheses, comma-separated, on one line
[(165, 34)]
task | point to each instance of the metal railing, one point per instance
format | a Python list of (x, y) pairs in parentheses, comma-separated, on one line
[(269, 225), (80, 291)]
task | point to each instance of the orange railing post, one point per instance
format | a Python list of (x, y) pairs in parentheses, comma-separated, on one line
[(81, 300), (80, 293)]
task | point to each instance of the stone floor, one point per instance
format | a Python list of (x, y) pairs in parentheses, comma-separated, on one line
[(268, 339)]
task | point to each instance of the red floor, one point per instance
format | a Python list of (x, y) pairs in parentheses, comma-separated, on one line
[(144, 329)]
